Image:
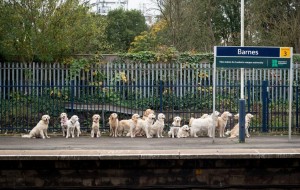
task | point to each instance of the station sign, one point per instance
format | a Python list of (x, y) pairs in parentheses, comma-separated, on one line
[(253, 57)]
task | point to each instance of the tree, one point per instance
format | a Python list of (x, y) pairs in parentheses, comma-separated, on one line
[(48, 30), (149, 40), (122, 27), (200, 25), (274, 23)]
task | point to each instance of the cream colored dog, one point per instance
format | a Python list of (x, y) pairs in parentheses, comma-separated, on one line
[(173, 132), (235, 130), (158, 127), (204, 125), (183, 131), (95, 126), (63, 123), (73, 123), (126, 124), (40, 130), (222, 122), (139, 131), (192, 119), (176, 124), (113, 122), (147, 112), (176, 121), (145, 125)]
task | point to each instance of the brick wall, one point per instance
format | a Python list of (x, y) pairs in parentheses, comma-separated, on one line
[(222, 173)]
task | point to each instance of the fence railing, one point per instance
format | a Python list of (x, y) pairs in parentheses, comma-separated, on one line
[(20, 110)]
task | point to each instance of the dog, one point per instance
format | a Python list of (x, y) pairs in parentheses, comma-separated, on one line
[(204, 125), (113, 124), (95, 126), (173, 132), (234, 132), (222, 122), (40, 130), (176, 121), (139, 131), (176, 124), (192, 118), (126, 124), (73, 124), (147, 112), (144, 125), (63, 123), (183, 131), (158, 127)]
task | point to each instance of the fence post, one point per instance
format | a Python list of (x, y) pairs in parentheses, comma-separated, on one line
[(160, 96), (242, 121), (72, 96), (297, 107), (265, 106), (249, 95)]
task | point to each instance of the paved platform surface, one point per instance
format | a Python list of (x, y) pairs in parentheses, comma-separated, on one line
[(124, 148)]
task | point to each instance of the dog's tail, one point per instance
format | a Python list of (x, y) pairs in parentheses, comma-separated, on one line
[(26, 136)]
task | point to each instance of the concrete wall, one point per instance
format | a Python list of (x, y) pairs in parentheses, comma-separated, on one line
[(217, 173)]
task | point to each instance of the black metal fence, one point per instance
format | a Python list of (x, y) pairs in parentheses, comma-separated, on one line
[(23, 105)]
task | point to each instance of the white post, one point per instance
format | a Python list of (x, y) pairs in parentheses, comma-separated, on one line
[(214, 94), (242, 44), (291, 95)]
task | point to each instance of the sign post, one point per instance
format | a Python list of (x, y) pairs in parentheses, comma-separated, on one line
[(255, 57)]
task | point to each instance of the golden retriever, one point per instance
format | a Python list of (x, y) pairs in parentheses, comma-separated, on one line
[(204, 125), (95, 126), (113, 122), (63, 123), (147, 112), (158, 127), (126, 124), (176, 121), (234, 132), (144, 125), (192, 119), (40, 130), (176, 124), (183, 131), (222, 122), (73, 123), (173, 132)]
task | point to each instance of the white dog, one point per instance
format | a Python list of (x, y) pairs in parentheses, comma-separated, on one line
[(183, 131), (173, 132), (192, 118), (234, 132), (176, 124), (158, 127), (63, 123), (144, 125), (40, 130), (95, 126), (222, 122), (73, 123), (126, 124), (176, 121), (204, 125), (113, 124)]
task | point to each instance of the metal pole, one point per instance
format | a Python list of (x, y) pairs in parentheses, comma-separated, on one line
[(214, 93), (242, 100), (291, 96), (242, 44)]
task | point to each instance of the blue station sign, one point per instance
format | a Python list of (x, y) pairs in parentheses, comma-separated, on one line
[(253, 57)]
